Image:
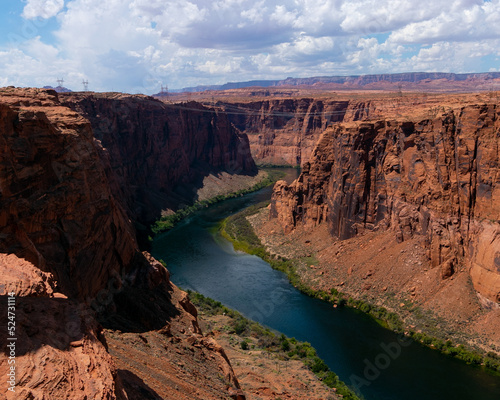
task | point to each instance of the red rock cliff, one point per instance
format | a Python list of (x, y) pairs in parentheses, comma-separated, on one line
[(57, 208), (438, 177), (157, 154), (285, 131), (67, 246)]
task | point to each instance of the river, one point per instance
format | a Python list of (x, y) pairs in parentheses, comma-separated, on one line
[(376, 361)]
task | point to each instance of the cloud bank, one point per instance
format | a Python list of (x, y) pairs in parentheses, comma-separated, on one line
[(137, 45)]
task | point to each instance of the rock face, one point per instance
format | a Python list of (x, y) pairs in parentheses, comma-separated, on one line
[(437, 177), (55, 174), (156, 155), (57, 207), (58, 354), (68, 183), (285, 132)]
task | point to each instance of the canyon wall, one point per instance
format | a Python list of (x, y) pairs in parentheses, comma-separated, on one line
[(57, 207), (69, 181), (437, 176), (285, 131), (156, 155)]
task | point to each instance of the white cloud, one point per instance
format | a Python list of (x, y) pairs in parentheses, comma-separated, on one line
[(38, 50), (319, 18), (42, 8), (371, 16), (449, 57), (30, 66), (136, 45), (464, 21), (254, 15)]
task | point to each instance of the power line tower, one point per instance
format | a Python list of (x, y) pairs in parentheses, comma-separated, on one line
[(164, 91), (400, 89), (60, 82), (85, 84)]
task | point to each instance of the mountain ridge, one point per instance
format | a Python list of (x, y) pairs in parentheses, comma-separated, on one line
[(348, 80)]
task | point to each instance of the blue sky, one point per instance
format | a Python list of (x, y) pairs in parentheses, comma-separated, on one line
[(137, 45)]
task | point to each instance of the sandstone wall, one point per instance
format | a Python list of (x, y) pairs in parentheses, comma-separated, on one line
[(70, 183), (56, 206), (437, 177), (156, 155), (284, 132)]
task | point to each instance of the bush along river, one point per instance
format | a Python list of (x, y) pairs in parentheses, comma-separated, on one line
[(374, 361)]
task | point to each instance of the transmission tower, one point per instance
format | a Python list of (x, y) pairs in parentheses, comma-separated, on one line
[(400, 89), (60, 82), (85, 84), (164, 91)]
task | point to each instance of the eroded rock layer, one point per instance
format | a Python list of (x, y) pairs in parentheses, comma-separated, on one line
[(156, 154), (69, 181), (285, 131), (57, 208), (436, 174)]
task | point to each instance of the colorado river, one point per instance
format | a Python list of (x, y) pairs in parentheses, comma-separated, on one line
[(354, 346)]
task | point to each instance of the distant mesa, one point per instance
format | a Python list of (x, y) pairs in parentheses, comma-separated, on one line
[(59, 89), (410, 80), (161, 94)]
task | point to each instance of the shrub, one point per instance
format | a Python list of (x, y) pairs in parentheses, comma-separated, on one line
[(240, 325), (318, 365), (492, 364), (330, 379), (285, 345)]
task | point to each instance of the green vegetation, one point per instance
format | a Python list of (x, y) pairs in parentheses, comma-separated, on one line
[(269, 165), (244, 344), (167, 222), (284, 347), (490, 361), (239, 231)]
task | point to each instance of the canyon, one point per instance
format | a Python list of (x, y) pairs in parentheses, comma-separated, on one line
[(284, 130), (398, 201), (424, 180), (73, 191)]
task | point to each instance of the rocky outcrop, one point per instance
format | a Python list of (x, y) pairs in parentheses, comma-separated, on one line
[(68, 249), (156, 155), (56, 353), (57, 208), (284, 132), (437, 177)]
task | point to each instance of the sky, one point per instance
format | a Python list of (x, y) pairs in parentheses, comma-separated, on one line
[(136, 46)]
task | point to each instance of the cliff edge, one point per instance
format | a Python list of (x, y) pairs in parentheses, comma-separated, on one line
[(68, 251), (427, 185)]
